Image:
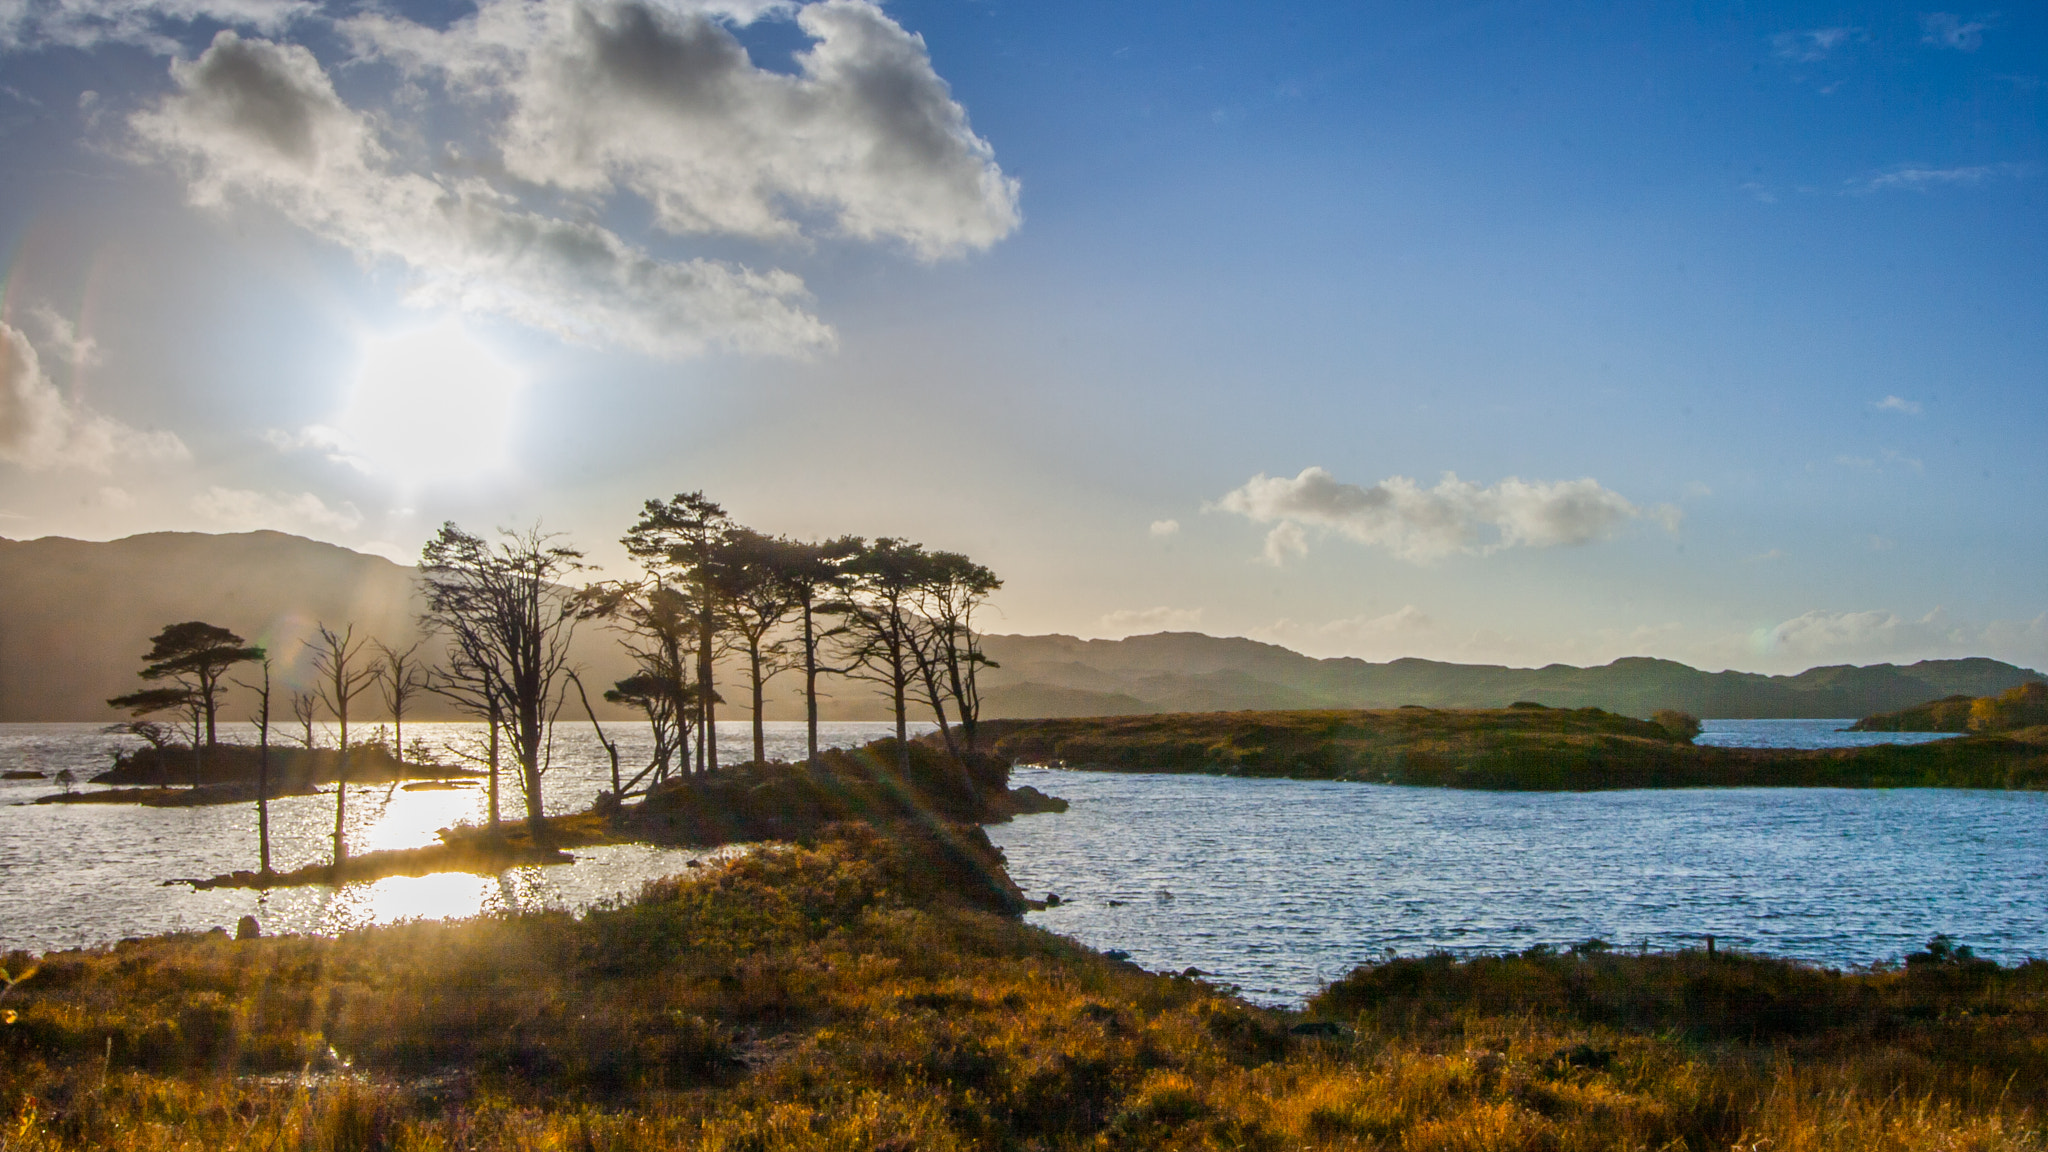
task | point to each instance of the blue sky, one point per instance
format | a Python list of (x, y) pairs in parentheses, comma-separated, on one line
[(1729, 324)]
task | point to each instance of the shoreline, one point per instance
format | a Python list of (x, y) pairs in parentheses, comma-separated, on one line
[(1523, 749)]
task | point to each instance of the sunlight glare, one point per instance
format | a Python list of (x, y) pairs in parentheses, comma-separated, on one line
[(432, 403)]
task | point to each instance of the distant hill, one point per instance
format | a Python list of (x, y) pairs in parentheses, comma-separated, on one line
[(76, 615), (1061, 676)]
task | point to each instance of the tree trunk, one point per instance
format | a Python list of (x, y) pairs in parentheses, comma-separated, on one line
[(707, 635), (496, 716), (810, 684), (341, 789), (760, 734)]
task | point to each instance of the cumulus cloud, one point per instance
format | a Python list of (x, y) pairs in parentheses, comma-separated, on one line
[(1164, 528), (1135, 621), (1948, 30), (1898, 404), (663, 101), (148, 24), (1422, 524), (1807, 45), (41, 428), (244, 510), (259, 121)]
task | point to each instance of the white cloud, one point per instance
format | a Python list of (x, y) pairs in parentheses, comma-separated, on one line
[(1422, 524), (258, 121), (1948, 30), (1882, 543), (41, 428), (146, 23), (63, 337), (663, 101), (1164, 528), (1823, 636), (1405, 621), (1135, 621), (1921, 178), (1807, 45), (1898, 404), (112, 497), (1819, 637), (244, 510)]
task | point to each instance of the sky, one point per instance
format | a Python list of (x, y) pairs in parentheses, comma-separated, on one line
[(1513, 333)]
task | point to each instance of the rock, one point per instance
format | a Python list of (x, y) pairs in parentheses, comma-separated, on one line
[(1116, 954), (247, 929), (1052, 899), (1322, 1029)]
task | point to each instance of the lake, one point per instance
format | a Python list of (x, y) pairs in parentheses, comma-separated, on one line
[(1273, 885)]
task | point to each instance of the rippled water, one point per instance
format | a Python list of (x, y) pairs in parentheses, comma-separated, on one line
[(1803, 734), (88, 874), (1282, 885), (1274, 885)]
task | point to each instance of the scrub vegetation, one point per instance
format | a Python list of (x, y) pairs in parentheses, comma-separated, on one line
[(2025, 706), (866, 992), (1525, 747)]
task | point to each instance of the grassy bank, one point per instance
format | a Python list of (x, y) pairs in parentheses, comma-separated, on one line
[(849, 994), (1522, 748)]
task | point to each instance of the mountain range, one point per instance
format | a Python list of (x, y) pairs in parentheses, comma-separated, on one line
[(75, 617)]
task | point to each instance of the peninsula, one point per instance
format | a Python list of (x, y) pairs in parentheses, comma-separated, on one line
[(1523, 748)]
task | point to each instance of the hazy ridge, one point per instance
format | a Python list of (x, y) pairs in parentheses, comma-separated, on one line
[(75, 615)]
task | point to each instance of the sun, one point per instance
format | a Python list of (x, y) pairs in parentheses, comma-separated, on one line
[(431, 404)]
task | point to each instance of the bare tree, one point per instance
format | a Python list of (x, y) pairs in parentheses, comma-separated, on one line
[(509, 619), (306, 710), (262, 720), (400, 677), (472, 689), (345, 673)]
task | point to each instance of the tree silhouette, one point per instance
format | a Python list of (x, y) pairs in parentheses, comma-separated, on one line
[(815, 577), (681, 538), (193, 656), (757, 601), (339, 660), (153, 700), (262, 720), (881, 625), (658, 627), (948, 653), (400, 677), (508, 620)]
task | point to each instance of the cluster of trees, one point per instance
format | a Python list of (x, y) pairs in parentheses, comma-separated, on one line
[(504, 611), (886, 611)]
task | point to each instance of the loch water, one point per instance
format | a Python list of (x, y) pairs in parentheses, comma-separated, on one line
[(1276, 886), (1279, 886)]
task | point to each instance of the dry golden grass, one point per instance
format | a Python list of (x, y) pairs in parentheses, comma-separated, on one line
[(837, 997)]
